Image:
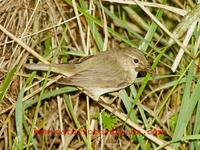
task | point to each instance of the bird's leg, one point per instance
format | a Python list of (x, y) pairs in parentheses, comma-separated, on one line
[(106, 100), (103, 103)]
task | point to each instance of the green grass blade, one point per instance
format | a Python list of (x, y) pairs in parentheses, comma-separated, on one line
[(48, 95), (6, 83), (197, 126), (126, 101), (124, 25), (96, 35), (19, 118), (187, 106), (183, 139), (152, 30), (120, 37), (184, 105), (71, 110)]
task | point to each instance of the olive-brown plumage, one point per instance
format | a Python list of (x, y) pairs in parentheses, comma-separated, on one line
[(102, 73)]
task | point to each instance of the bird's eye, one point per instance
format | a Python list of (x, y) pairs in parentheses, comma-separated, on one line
[(136, 61)]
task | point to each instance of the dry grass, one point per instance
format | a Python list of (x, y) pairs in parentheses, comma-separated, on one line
[(63, 31)]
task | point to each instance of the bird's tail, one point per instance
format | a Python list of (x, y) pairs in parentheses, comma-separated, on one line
[(65, 69)]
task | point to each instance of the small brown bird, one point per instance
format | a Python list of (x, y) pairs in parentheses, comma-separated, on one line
[(102, 73)]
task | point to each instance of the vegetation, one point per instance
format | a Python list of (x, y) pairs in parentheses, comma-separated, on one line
[(160, 110)]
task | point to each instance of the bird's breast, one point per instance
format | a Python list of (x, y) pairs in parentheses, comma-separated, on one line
[(132, 75)]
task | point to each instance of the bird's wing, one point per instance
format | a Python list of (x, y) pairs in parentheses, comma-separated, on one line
[(109, 76), (94, 83), (98, 75)]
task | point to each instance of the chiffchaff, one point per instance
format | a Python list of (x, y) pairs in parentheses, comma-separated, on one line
[(102, 73)]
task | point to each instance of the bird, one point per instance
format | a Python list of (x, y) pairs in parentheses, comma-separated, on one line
[(102, 73)]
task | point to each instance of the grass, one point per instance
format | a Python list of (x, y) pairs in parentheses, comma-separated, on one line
[(65, 31)]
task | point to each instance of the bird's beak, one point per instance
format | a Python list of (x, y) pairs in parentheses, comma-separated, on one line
[(144, 68), (149, 69)]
